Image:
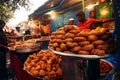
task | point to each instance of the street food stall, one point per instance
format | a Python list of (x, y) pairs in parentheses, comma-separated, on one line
[(72, 53)]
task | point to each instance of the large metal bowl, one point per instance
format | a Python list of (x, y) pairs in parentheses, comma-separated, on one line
[(81, 56), (28, 48)]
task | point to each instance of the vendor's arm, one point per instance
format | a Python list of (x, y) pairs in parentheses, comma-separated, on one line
[(109, 19), (104, 20)]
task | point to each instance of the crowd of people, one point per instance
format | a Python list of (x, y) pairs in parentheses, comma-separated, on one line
[(87, 23)]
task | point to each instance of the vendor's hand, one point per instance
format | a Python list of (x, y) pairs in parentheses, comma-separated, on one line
[(103, 20)]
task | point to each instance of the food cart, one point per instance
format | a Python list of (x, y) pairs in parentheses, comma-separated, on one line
[(81, 67)]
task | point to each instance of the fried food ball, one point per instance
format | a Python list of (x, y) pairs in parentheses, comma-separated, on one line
[(57, 65), (41, 62), (59, 71), (28, 60), (39, 55), (52, 74), (78, 39), (60, 36), (98, 52), (50, 44), (103, 30), (102, 47), (83, 52), (28, 66), (63, 46), (38, 67), (33, 56), (101, 52), (53, 36), (83, 33), (58, 49), (83, 43), (33, 64), (42, 73), (53, 40), (55, 44), (68, 39), (36, 59), (74, 31), (61, 32), (92, 38), (70, 44), (98, 42), (44, 58), (48, 67), (43, 66), (88, 47), (94, 51), (54, 68), (34, 72), (94, 32), (68, 27), (75, 43), (76, 48), (49, 61), (69, 35), (60, 40)]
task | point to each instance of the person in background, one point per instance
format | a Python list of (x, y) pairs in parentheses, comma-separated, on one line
[(27, 32), (92, 15), (86, 23), (71, 22), (3, 51), (46, 29), (12, 33), (18, 32)]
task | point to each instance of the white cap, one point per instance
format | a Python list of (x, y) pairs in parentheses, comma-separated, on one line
[(71, 19)]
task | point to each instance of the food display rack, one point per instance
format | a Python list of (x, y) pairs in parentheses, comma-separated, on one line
[(80, 67)]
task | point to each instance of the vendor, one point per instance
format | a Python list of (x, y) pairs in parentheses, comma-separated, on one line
[(12, 33), (27, 32), (71, 21), (18, 32), (92, 15), (86, 23)]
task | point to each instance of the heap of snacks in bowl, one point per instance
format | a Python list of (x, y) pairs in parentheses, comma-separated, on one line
[(71, 40), (44, 65), (22, 44)]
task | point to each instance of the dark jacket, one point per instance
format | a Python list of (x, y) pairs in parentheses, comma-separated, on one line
[(3, 40)]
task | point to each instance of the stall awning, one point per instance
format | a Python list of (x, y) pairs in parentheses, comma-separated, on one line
[(48, 6), (60, 6)]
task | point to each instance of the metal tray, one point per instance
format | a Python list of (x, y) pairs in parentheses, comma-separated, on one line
[(81, 56), (28, 50)]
